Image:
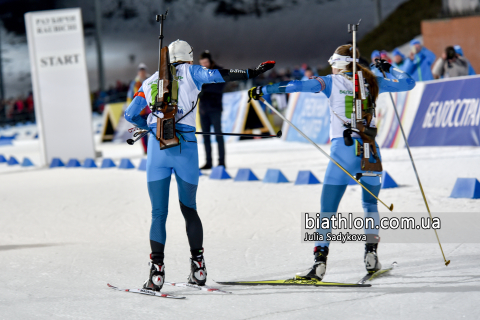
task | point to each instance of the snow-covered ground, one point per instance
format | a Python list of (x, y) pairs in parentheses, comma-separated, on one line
[(66, 233)]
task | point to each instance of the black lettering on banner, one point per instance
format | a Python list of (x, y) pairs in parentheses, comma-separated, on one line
[(55, 61)]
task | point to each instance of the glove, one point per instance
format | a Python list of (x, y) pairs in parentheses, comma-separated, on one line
[(255, 93), (263, 67), (383, 65)]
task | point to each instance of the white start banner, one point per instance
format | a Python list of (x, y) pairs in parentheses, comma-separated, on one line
[(60, 84)]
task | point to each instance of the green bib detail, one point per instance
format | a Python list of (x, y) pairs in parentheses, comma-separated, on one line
[(349, 106)]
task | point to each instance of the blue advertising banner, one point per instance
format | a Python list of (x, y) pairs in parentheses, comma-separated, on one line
[(448, 114), (231, 102), (311, 114)]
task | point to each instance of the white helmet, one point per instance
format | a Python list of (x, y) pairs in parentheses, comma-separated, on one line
[(180, 51)]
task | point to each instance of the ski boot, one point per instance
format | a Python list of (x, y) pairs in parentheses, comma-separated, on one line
[(157, 275), (372, 264), (198, 271), (319, 267)]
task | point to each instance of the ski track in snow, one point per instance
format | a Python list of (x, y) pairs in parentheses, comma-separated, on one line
[(66, 233)]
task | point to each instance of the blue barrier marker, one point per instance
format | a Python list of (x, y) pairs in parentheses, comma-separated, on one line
[(56, 162), (107, 163), (2, 159), (387, 181), (143, 165), (466, 188), (219, 173), (245, 175), (89, 163), (27, 163), (12, 161), (274, 176), (73, 163), (126, 164), (306, 177)]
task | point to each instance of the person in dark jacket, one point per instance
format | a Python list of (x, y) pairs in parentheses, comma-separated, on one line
[(211, 112)]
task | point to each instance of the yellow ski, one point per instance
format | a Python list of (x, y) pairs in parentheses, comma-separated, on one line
[(292, 282)]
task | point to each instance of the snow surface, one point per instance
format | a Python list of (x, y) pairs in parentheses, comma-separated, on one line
[(66, 233)]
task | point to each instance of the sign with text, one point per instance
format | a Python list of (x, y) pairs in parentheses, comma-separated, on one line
[(310, 112), (448, 114), (60, 84)]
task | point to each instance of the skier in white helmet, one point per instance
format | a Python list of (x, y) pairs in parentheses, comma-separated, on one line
[(183, 159)]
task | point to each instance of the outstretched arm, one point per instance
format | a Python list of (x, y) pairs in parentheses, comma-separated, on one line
[(202, 75), (137, 112), (401, 81), (318, 84)]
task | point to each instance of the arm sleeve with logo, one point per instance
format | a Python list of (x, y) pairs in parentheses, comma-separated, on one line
[(400, 81), (318, 84), (135, 113), (202, 75)]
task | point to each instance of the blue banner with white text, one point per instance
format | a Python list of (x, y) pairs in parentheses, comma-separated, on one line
[(312, 116), (448, 114)]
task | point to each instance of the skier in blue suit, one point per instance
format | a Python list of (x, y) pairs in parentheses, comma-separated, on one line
[(419, 64), (374, 57), (459, 50), (183, 159), (398, 59), (338, 88)]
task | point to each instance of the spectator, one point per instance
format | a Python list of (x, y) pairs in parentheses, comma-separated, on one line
[(398, 59), (135, 85), (137, 82), (419, 63), (297, 74), (375, 57), (307, 74), (450, 65), (30, 108), (471, 71), (384, 56), (210, 109)]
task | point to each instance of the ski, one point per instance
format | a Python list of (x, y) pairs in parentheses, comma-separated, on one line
[(292, 282), (147, 292), (371, 276), (194, 286)]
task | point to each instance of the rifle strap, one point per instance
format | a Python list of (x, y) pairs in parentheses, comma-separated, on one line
[(186, 114), (174, 92)]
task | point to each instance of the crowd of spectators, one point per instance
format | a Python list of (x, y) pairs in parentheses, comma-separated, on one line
[(16, 110), (21, 109), (422, 64)]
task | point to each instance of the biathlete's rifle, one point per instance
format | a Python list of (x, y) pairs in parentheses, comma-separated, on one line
[(167, 95), (363, 111), (322, 151), (379, 66)]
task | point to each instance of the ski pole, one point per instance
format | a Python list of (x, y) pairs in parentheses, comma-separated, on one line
[(324, 153), (447, 262), (278, 135), (143, 134)]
